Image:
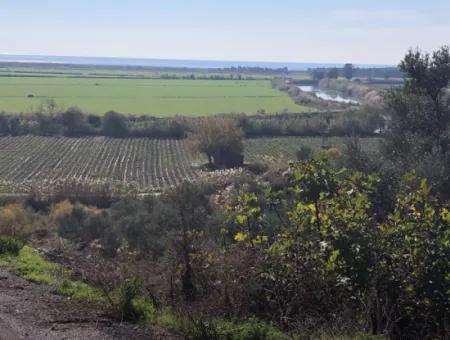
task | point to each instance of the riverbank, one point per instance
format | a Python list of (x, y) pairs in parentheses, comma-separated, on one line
[(330, 96), (354, 90)]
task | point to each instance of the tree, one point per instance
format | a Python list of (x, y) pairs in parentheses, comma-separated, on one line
[(329, 255), (318, 75), (115, 125), (95, 121), (74, 122), (419, 136), (418, 231), (4, 125), (348, 71), (190, 203), (425, 74), (49, 124), (354, 156), (221, 140), (333, 73), (15, 124)]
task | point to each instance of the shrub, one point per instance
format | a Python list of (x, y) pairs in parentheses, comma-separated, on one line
[(49, 125), (82, 223), (75, 123), (9, 245), (4, 125), (304, 154), (331, 264), (14, 221), (115, 125), (61, 209), (126, 308), (257, 167)]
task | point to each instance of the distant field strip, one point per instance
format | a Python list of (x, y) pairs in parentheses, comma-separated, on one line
[(145, 96), (150, 164)]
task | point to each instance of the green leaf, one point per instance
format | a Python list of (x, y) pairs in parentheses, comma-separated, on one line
[(241, 219), (240, 237)]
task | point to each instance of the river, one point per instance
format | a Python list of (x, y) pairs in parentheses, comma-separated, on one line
[(335, 97)]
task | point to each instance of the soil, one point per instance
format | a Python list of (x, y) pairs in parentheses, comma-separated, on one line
[(36, 312)]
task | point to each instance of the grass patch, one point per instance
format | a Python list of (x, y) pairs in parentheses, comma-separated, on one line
[(217, 329), (30, 265), (212, 329), (156, 97)]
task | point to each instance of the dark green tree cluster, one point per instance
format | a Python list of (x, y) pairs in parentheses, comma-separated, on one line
[(418, 137), (75, 123)]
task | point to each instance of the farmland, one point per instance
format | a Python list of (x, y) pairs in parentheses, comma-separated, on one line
[(96, 71), (149, 164), (157, 97), (285, 148)]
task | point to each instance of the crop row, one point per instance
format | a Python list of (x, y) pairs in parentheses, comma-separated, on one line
[(152, 164), (146, 164)]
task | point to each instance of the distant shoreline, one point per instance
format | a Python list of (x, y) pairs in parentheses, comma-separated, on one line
[(164, 63)]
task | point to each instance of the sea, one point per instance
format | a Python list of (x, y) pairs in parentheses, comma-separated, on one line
[(169, 63)]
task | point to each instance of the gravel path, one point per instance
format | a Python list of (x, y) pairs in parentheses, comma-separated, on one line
[(35, 312)]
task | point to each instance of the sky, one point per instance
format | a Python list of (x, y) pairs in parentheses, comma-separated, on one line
[(323, 31)]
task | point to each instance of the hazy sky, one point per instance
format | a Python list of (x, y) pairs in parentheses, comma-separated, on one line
[(360, 31)]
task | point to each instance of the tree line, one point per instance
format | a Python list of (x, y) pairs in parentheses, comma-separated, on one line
[(75, 123), (350, 71)]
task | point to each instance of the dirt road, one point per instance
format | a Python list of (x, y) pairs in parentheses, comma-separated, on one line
[(35, 312)]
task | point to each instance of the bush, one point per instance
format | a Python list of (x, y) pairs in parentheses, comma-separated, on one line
[(82, 223), (126, 309), (158, 127), (331, 265), (9, 245), (75, 123), (4, 125), (14, 221), (49, 125), (115, 125), (304, 154), (60, 210), (318, 124)]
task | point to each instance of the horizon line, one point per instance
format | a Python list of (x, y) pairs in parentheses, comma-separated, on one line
[(286, 63)]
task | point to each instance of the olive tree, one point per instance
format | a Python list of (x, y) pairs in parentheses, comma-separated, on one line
[(418, 137), (221, 140)]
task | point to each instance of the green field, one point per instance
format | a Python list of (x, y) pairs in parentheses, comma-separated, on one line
[(136, 72), (144, 96)]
